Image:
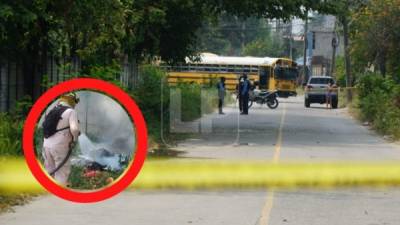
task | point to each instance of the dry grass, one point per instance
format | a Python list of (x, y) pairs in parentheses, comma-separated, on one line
[(7, 202)]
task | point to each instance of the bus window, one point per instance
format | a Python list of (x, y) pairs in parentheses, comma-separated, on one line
[(264, 78), (285, 73), (254, 69)]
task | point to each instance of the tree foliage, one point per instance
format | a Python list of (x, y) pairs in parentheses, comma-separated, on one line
[(98, 31), (376, 37), (229, 35), (269, 45)]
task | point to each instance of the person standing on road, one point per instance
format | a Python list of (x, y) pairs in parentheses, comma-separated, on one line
[(329, 90), (238, 94), (61, 131), (244, 90), (221, 94)]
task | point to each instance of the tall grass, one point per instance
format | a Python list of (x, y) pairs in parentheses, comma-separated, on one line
[(379, 103)]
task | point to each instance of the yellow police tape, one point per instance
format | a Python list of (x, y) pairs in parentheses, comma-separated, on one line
[(213, 174)]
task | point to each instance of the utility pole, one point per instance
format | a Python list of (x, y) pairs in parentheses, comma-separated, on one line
[(305, 48), (347, 61), (335, 43), (290, 40)]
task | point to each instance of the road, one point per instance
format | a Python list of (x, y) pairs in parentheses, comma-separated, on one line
[(288, 133)]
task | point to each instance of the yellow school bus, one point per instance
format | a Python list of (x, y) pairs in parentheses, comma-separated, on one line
[(269, 73)]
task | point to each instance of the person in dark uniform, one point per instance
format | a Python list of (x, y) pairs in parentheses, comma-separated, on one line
[(221, 94), (238, 94), (244, 89)]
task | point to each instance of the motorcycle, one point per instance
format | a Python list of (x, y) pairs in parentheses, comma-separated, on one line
[(264, 97)]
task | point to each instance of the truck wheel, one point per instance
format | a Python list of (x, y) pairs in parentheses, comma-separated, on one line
[(307, 103)]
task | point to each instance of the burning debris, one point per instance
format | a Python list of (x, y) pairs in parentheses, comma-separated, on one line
[(106, 143), (98, 157)]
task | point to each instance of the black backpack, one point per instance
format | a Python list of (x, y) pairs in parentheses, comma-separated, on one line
[(51, 121)]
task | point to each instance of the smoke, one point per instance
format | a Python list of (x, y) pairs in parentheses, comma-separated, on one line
[(97, 152), (105, 122)]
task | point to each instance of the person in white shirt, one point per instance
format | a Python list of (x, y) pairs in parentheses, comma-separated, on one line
[(57, 147)]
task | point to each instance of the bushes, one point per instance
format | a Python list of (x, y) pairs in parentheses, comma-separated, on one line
[(151, 88), (11, 126), (193, 96), (153, 93), (379, 102), (10, 135)]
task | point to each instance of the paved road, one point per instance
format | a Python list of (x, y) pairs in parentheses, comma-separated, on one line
[(290, 132)]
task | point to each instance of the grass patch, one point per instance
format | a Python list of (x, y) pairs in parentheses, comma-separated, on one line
[(9, 201)]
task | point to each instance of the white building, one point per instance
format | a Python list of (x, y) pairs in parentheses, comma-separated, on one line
[(320, 49)]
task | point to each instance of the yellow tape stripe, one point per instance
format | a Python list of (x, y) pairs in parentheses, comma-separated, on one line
[(196, 174), (192, 175)]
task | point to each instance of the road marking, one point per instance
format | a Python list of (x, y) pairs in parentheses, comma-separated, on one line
[(277, 152), (266, 211)]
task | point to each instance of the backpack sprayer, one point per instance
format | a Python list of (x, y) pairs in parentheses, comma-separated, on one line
[(51, 121)]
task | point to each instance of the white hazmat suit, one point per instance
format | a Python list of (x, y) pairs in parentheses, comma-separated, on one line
[(57, 146)]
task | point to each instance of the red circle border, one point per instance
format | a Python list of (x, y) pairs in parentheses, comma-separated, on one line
[(98, 85)]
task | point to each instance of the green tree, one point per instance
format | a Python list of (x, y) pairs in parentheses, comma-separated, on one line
[(376, 37), (268, 44), (343, 9)]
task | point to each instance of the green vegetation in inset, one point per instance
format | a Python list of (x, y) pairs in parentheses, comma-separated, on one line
[(82, 179)]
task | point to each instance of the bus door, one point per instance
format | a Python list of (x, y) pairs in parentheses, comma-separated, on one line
[(264, 78)]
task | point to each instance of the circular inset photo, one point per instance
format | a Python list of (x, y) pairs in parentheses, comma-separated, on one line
[(85, 140)]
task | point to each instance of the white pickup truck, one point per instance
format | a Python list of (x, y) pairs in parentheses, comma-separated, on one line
[(316, 91)]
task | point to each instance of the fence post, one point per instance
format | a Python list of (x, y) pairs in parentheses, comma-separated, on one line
[(134, 73)]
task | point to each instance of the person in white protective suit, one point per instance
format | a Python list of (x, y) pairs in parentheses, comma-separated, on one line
[(57, 147)]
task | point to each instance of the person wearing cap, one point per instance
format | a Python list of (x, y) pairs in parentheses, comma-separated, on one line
[(57, 147)]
